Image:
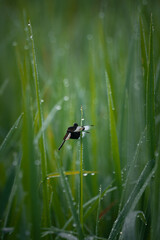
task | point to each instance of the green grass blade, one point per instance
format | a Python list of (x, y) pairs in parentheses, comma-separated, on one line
[(92, 203), (133, 199), (150, 101), (129, 227), (81, 174), (46, 214), (143, 55), (113, 133), (68, 173), (12, 194), (98, 211), (69, 197), (48, 120), (11, 132)]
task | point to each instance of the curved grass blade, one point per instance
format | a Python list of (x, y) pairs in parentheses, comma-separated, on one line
[(48, 119), (129, 227), (133, 199), (10, 133)]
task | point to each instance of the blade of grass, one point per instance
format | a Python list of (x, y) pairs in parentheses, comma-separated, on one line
[(69, 197), (114, 138), (46, 214), (92, 204), (150, 101), (69, 173), (81, 174), (10, 133), (12, 194), (143, 55), (98, 211), (129, 227), (133, 199)]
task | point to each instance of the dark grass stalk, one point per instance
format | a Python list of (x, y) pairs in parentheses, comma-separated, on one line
[(81, 173), (46, 212)]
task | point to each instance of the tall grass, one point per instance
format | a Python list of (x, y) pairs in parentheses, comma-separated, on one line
[(105, 57)]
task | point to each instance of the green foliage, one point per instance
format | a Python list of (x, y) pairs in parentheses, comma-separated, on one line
[(57, 56)]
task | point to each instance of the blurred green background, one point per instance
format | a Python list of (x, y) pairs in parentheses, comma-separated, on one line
[(105, 57)]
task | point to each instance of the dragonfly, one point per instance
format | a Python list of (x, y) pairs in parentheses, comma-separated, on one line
[(74, 132)]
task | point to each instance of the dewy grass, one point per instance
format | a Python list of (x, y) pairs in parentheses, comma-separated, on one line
[(74, 47), (113, 134), (81, 173), (46, 214)]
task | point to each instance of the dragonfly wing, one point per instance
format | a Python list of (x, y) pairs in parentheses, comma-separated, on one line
[(86, 128)]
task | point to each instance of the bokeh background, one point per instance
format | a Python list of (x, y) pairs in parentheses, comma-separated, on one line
[(105, 57)]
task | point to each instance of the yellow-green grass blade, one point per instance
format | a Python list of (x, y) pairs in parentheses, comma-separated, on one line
[(69, 173)]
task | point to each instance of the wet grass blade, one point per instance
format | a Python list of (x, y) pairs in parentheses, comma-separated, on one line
[(150, 101), (11, 132), (12, 194), (69, 173), (46, 214), (113, 134), (133, 199), (69, 197), (81, 174)]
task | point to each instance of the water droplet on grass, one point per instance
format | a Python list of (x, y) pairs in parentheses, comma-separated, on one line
[(85, 174), (66, 98), (74, 225), (58, 107)]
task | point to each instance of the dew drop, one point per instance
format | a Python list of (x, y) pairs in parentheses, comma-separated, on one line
[(85, 174), (92, 174), (14, 163), (42, 100), (74, 225), (37, 162), (58, 107), (66, 98)]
